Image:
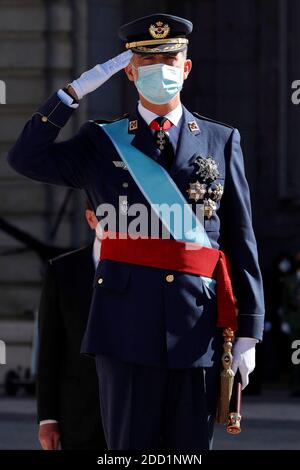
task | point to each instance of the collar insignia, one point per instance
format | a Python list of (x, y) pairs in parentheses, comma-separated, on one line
[(193, 126), (133, 125)]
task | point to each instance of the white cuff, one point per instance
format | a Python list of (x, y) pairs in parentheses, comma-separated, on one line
[(48, 421), (66, 99), (248, 342)]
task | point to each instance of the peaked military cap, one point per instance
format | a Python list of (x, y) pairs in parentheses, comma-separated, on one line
[(156, 34)]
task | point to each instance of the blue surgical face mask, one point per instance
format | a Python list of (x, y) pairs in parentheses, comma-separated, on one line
[(159, 83)]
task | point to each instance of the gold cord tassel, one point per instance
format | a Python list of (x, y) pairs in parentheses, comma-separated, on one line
[(227, 377)]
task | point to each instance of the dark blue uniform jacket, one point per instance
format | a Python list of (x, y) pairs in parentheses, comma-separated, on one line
[(136, 315)]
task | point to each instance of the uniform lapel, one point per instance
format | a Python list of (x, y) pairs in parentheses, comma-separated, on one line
[(188, 143), (143, 137)]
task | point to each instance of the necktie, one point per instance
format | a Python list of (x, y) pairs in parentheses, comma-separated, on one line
[(160, 125)]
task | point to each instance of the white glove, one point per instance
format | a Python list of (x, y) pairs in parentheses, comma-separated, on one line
[(95, 77), (244, 358)]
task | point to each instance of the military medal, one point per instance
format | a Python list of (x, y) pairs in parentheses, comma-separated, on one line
[(196, 191), (161, 141), (208, 195), (210, 208), (208, 168), (160, 125), (217, 193)]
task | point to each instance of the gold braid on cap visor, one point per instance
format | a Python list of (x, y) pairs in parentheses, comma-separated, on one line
[(177, 43)]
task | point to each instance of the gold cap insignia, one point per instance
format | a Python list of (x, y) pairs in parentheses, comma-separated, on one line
[(159, 30)]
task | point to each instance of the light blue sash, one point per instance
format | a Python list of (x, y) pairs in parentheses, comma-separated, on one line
[(159, 189)]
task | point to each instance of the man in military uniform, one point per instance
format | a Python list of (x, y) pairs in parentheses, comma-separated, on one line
[(156, 319)]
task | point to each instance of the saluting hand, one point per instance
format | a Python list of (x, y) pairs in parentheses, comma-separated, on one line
[(49, 436), (95, 77)]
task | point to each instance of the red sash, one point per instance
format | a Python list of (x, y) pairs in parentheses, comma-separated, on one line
[(179, 256)]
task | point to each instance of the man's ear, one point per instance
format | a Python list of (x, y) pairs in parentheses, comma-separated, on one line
[(129, 72), (187, 68), (91, 218)]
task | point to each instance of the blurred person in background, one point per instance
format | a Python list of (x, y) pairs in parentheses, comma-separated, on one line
[(68, 399)]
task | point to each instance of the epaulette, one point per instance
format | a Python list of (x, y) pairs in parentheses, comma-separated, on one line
[(205, 118), (106, 121)]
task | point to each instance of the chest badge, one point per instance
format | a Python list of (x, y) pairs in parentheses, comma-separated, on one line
[(207, 168), (216, 193), (207, 191), (210, 208), (196, 191)]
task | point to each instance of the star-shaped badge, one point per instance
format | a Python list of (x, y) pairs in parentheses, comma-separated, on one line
[(216, 193), (196, 191), (208, 168), (210, 208)]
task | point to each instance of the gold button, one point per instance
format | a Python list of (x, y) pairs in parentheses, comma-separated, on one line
[(44, 119), (170, 278), (100, 280)]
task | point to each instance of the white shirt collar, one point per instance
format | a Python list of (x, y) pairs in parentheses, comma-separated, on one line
[(96, 251), (174, 116)]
